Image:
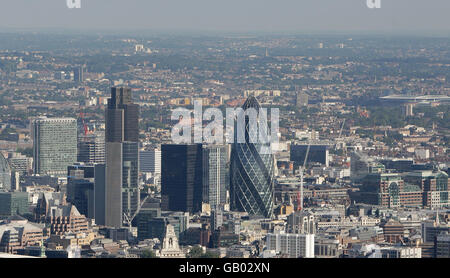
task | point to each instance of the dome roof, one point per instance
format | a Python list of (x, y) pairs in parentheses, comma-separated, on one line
[(251, 102)]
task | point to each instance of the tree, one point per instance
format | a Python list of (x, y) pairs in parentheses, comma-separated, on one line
[(196, 252), (148, 254)]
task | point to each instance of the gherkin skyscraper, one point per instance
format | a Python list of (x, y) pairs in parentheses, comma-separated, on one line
[(252, 168)]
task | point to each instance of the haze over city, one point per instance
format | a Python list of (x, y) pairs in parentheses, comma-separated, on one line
[(416, 17)]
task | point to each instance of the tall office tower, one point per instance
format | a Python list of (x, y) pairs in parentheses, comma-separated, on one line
[(122, 158), (5, 174), (54, 145), (91, 148), (181, 177), (252, 171), (80, 188), (150, 161), (302, 99), (214, 175), (78, 74)]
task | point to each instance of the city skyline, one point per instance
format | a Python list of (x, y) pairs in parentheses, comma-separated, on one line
[(357, 164)]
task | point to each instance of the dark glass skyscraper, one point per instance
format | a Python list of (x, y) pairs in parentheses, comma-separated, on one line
[(78, 74), (80, 188), (251, 171), (122, 158), (317, 153), (122, 117), (181, 177)]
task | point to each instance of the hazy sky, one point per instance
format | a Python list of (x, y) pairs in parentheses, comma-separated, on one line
[(421, 16)]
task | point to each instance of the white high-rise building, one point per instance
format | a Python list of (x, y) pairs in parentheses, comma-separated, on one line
[(54, 145), (150, 161), (5, 174), (293, 245)]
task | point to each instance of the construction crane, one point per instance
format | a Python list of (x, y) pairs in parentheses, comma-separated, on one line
[(342, 127), (300, 193), (85, 128), (127, 220)]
